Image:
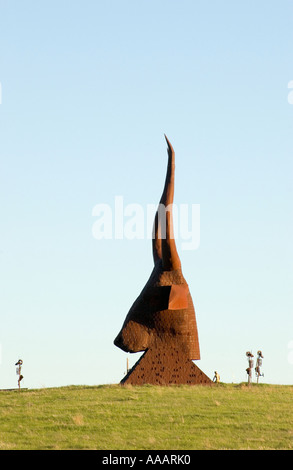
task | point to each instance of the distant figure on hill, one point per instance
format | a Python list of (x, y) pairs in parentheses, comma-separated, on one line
[(216, 377)]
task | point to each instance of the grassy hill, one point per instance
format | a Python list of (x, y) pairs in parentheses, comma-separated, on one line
[(225, 416)]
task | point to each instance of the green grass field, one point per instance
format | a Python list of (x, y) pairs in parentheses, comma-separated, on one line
[(224, 416)]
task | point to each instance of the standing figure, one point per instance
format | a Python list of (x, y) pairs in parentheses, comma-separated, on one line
[(250, 366), (216, 377), (18, 372), (258, 365)]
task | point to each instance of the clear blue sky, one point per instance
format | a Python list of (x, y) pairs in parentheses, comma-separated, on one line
[(88, 90)]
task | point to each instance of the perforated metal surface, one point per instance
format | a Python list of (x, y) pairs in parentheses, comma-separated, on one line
[(165, 367)]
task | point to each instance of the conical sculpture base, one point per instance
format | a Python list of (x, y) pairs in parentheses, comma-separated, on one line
[(165, 367)]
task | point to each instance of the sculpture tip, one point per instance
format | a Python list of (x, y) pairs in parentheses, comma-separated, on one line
[(170, 148)]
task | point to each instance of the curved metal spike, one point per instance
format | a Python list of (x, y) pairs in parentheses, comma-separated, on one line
[(164, 246)]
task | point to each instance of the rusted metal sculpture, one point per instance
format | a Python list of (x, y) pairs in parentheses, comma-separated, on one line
[(162, 320)]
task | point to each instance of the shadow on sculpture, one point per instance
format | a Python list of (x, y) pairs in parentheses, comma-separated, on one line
[(162, 320)]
